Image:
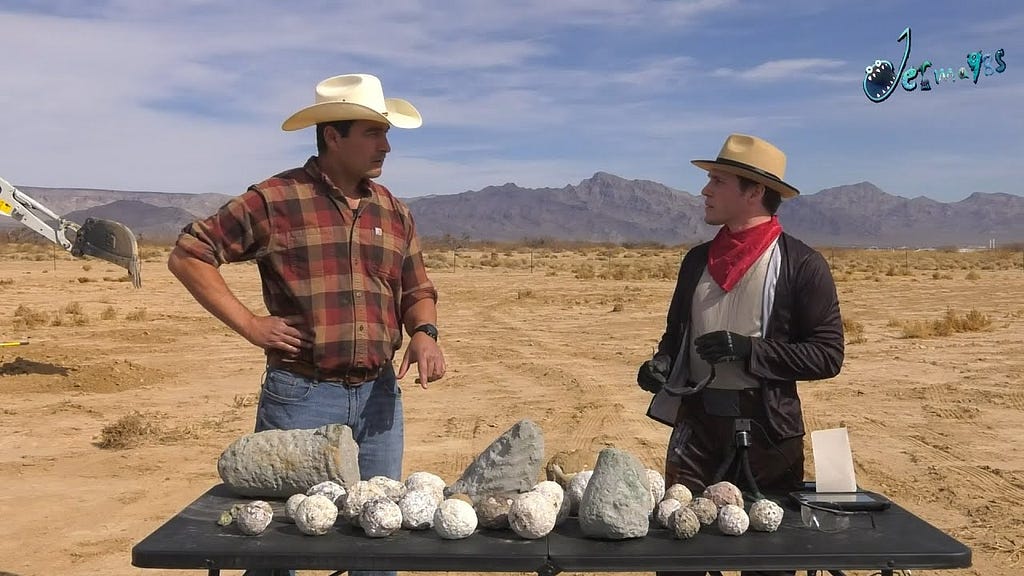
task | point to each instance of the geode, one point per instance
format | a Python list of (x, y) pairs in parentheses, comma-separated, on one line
[(705, 509), (418, 507), (380, 518), (532, 515), (279, 463), (765, 516), (315, 515), (254, 517), (684, 523), (724, 493), (732, 520), (454, 519)]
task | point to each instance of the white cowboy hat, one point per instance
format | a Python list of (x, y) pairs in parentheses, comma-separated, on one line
[(752, 158), (354, 97)]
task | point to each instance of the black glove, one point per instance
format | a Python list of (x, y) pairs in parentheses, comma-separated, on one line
[(722, 346), (653, 373)]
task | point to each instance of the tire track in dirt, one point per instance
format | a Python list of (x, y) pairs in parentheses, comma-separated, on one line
[(937, 404), (981, 481)]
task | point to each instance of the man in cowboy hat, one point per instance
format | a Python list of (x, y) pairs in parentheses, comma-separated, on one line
[(754, 310), (342, 274)]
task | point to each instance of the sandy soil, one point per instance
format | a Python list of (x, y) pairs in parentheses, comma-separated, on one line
[(932, 421)]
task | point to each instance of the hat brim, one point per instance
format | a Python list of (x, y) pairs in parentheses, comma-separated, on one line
[(400, 113), (749, 172)]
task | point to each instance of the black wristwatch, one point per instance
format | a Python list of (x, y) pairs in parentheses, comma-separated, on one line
[(428, 329)]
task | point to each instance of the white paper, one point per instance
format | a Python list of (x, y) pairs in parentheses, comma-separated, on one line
[(833, 461)]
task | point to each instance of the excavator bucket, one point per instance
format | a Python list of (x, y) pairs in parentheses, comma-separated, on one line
[(110, 241)]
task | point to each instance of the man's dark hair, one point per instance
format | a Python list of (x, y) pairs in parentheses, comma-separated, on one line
[(341, 126), (771, 200)]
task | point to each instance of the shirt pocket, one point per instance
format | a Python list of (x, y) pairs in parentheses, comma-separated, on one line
[(303, 253), (382, 252)]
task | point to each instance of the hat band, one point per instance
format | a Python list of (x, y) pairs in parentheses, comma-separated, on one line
[(745, 166)]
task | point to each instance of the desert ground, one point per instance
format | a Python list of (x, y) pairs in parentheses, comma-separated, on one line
[(113, 416)]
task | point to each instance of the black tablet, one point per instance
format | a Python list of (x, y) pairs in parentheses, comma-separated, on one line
[(844, 501)]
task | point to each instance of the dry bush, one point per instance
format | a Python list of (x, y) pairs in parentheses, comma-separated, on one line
[(72, 308), (524, 293), (584, 271), (618, 307), (26, 317), (973, 275), (129, 431), (109, 313), (86, 267), (6, 281), (246, 400), (124, 278), (138, 314), (942, 275), (854, 331), (951, 323), (84, 279)]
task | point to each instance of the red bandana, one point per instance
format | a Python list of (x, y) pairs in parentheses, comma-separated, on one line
[(733, 253)]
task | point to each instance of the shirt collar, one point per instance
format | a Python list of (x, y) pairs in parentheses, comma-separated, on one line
[(312, 168)]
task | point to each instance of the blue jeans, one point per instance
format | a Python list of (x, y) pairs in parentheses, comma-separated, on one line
[(373, 410)]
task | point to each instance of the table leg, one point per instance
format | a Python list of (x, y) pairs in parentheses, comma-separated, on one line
[(213, 572)]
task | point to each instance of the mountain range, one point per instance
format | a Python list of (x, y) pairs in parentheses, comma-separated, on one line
[(607, 208)]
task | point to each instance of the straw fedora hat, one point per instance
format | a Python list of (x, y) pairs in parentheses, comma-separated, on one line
[(752, 158), (354, 97)]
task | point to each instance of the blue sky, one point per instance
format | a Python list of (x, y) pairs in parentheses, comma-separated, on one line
[(189, 95)]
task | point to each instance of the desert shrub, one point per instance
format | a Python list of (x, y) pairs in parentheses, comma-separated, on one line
[(27, 317), (136, 315), (950, 323), (84, 279), (72, 308), (109, 313), (129, 431), (854, 331), (584, 271), (973, 275)]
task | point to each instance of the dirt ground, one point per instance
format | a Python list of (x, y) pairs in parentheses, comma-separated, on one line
[(551, 336)]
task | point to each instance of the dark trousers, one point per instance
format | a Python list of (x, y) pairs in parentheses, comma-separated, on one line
[(703, 439)]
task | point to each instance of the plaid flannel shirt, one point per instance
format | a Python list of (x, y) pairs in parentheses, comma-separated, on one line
[(351, 275)]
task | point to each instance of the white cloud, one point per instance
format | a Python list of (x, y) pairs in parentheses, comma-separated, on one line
[(786, 70)]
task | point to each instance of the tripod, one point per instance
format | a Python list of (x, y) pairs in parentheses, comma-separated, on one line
[(735, 466)]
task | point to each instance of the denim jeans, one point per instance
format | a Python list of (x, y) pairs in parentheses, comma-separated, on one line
[(373, 410)]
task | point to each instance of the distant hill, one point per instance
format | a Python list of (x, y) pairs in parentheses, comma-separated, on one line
[(607, 208)]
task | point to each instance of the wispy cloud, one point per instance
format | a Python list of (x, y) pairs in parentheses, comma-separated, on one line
[(787, 70)]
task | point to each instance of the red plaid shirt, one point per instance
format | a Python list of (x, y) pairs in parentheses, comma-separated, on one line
[(351, 275)]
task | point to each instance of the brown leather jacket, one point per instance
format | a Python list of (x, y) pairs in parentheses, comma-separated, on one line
[(803, 335)]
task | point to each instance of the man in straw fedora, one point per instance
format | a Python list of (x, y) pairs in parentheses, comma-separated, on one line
[(754, 310), (342, 274)]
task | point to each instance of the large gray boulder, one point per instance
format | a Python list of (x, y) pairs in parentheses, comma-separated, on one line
[(617, 502), (510, 464), (280, 463)]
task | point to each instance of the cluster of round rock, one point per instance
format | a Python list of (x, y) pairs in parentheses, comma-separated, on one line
[(684, 514), (381, 506)]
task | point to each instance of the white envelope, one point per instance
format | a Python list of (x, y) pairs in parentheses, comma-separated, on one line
[(833, 461)]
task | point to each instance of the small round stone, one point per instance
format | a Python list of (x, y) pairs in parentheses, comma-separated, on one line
[(684, 523), (254, 517), (765, 516), (454, 519), (724, 493), (418, 507), (315, 515), (492, 511), (392, 488), (555, 491), (680, 493), (665, 509), (381, 518), (705, 510), (732, 520), (656, 482), (358, 495), (421, 480), (333, 490), (532, 515), (577, 486), (292, 504)]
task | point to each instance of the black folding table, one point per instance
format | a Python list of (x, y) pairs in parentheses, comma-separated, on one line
[(895, 539)]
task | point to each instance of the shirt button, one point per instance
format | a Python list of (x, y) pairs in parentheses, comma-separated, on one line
[(361, 327), (358, 294)]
